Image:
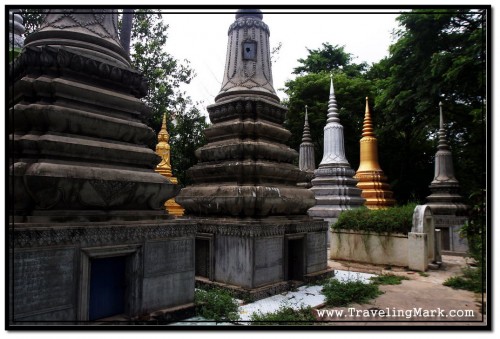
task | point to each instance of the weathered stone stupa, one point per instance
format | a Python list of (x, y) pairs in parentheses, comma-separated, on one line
[(16, 30), (306, 154), (90, 237), (371, 178), (445, 201), (165, 168), (256, 232), (334, 186)]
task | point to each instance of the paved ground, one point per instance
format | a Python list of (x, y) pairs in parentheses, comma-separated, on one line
[(422, 300)]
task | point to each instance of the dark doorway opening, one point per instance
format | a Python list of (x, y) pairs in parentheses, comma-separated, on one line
[(107, 287), (295, 255), (202, 258)]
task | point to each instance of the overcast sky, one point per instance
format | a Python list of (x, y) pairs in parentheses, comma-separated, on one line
[(202, 39)]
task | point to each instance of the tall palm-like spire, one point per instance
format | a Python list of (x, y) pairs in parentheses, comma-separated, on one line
[(371, 178)]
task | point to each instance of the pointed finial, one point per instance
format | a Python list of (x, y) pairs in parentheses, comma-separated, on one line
[(442, 143), (163, 135), (440, 115), (306, 136), (333, 115), (367, 123)]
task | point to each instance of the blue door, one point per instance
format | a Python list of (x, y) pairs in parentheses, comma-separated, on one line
[(107, 287)]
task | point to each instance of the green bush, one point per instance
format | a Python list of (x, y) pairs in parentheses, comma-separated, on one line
[(471, 280), (387, 279), (391, 220), (285, 316), (343, 293), (216, 304)]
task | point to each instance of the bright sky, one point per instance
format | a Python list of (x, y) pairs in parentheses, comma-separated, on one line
[(202, 39)]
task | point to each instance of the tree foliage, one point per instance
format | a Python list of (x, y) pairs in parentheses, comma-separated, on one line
[(312, 88), (439, 55)]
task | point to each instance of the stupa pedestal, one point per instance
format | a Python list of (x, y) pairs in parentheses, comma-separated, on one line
[(448, 209), (371, 178), (254, 232), (334, 185), (90, 238)]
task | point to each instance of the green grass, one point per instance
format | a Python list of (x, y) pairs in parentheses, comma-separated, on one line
[(343, 293), (285, 316), (423, 274), (216, 304), (470, 281), (387, 279)]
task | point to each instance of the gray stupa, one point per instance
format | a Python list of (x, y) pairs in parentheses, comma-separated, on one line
[(90, 238), (334, 185), (447, 205), (16, 30), (306, 154), (254, 234)]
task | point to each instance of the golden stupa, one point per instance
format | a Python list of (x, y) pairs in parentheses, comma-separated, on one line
[(164, 167), (371, 178)]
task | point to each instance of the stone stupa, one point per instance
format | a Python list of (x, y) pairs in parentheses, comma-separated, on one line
[(371, 178), (334, 185), (306, 154), (445, 201), (90, 237), (254, 234)]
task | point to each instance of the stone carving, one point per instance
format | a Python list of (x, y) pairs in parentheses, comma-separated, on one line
[(95, 235)]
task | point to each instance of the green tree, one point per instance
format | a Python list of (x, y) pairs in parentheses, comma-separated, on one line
[(312, 87), (439, 56), (187, 136)]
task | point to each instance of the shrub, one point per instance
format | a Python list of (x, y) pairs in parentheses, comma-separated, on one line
[(470, 281), (387, 279), (216, 304), (340, 293), (391, 220), (285, 316)]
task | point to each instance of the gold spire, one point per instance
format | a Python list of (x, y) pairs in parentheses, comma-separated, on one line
[(371, 178), (164, 167)]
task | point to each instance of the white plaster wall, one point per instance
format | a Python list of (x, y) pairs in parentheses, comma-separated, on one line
[(368, 247)]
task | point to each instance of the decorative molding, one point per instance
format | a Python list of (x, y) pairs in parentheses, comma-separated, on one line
[(87, 235), (248, 22), (48, 58)]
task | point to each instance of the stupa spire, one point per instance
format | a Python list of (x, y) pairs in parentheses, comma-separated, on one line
[(445, 201), (334, 185), (306, 153), (165, 168), (371, 178), (333, 147)]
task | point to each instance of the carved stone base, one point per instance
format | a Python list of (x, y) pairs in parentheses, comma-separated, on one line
[(253, 253), (52, 269)]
